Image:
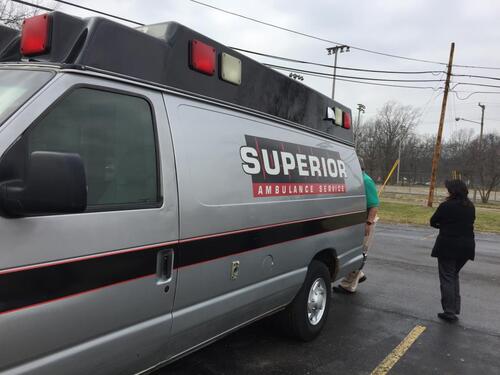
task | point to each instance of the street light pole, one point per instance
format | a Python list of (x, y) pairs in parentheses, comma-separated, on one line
[(334, 73), (361, 108), (483, 107), (480, 150), (482, 123), (334, 51)]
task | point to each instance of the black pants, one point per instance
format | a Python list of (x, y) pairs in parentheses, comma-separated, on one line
[(450, 283)]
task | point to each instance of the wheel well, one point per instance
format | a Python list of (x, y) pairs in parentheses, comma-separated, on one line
[(329, 258)]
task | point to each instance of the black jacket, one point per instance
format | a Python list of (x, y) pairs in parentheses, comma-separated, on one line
[(455, 222)]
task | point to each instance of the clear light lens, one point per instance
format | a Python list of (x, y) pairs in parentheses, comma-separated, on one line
[(230, 69), (338, 117), (330, 114)]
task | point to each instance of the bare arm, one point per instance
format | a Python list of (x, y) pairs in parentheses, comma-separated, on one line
[(372, 214)]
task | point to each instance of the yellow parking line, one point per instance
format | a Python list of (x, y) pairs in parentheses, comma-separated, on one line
[(393, 357)]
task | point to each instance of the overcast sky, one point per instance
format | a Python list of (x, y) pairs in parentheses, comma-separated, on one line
[(420, 29)]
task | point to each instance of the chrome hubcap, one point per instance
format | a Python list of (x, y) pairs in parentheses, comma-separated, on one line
[(316, 301)]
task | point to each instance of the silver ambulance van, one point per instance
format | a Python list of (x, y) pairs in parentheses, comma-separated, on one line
[(159, 190)]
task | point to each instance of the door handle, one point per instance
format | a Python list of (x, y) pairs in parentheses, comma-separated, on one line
[(164, 266)]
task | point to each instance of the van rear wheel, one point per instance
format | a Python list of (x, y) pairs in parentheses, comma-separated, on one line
[(308, 312)]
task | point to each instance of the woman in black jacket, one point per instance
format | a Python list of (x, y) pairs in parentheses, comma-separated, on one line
[(455, 244)]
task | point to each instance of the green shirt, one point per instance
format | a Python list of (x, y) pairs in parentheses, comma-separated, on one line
[(370, 191)]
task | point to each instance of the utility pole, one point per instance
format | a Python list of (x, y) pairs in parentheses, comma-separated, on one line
[(437, 148), (334, 51), (480, 150)]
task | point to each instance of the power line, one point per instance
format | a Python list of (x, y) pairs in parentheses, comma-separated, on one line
[(32, 5), (338, 43), (322, 75), (477, 67), (78, 6), (99, 12), (317, 74), (475, 84), (356, 77), (476, 76), (314, 36), (426, 107), (338, 67), (289, 30), (472, 93)]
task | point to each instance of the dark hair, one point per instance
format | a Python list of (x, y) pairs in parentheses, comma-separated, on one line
[(458, 190)]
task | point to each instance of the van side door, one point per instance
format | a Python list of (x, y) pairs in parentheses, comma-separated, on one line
[(91, 293)]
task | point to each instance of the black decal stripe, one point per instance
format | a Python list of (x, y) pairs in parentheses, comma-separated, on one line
[(206, 249), (31, 286), (34, 286)]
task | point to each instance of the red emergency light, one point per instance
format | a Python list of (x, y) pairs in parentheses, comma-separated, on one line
[(346, 121), (202, 57), (35, 35)]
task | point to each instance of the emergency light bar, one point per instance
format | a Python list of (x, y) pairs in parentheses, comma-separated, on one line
[(338, 117), (203, 59), (35, 35), (172, 55)]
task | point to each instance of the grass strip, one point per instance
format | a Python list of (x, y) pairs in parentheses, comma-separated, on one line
[(487, 220)]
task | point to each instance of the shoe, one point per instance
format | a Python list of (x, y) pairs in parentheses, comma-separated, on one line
[(448, 316), (362, 279), (349, 279), (342, 290)]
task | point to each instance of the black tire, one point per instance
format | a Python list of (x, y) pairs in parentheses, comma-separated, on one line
[(296, 322)]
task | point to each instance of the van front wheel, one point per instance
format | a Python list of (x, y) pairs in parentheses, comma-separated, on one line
[(308, 312)]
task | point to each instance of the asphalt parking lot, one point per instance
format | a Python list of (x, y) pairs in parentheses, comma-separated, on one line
[(401, 293)]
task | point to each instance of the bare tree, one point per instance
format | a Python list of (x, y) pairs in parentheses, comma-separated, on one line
[(377, 141), (379, 138), (457, 155), (12, 14), (366, 147), (489, 172)]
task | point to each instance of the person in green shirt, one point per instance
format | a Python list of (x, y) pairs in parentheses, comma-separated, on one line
[(350, 283)]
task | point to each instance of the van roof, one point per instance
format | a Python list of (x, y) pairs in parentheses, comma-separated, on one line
[(159, 54)]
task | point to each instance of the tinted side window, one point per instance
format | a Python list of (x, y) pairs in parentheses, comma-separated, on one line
[(114, 135)]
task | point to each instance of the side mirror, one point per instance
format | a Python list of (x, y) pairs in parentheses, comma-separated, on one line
[(55, 183)]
